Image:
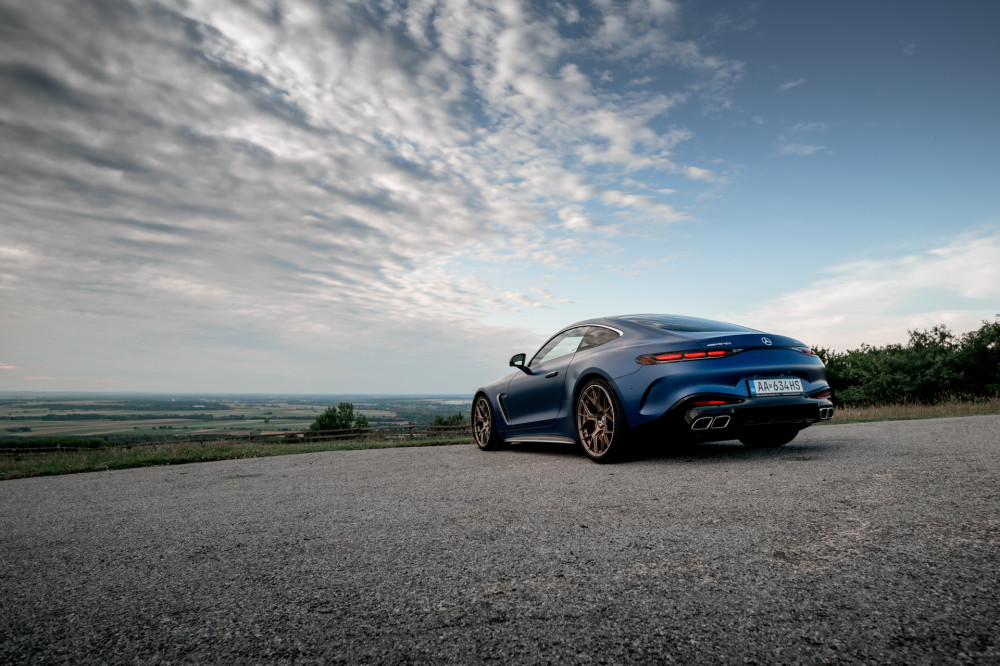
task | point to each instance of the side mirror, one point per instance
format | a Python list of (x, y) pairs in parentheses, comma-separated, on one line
[(517, 361)]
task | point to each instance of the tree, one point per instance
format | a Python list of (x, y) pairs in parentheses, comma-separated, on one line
[(341, 417), (456, 419), (979, 360), (934, 365)]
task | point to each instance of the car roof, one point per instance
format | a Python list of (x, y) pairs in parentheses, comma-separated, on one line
[(675, 323), (664, 324)]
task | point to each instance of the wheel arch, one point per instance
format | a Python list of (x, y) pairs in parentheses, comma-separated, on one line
[(475, 396), (598, 445), (586, 376), (595, 373), (494, 439), (490, 400)]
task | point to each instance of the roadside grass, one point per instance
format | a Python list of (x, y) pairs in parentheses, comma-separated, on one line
[(20, 465), (910, 411)]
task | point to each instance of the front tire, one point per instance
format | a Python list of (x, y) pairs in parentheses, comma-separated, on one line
[(484, 426), (600, 422), (769, 438)]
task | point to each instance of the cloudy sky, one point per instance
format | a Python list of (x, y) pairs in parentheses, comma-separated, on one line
[(294, 196)]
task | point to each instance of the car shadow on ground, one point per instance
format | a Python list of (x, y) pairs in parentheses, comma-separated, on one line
[(645, 451), (731, 450)]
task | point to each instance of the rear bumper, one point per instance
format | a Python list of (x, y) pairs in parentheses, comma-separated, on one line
[(721, 422)]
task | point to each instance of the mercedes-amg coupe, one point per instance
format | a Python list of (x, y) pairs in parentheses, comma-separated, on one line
[(603, 381)]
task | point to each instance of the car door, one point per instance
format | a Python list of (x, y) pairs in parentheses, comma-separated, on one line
[(533, 400)]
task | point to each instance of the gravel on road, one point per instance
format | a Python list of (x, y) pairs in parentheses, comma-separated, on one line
[(859, 543)]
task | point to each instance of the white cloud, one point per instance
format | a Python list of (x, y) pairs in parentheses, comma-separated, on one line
[(644, 31), (575, 219), (803, 128), (696, 173), (653, 208), (876, 302), (791, 84), (794, 139), (216, 175), (800, 149)]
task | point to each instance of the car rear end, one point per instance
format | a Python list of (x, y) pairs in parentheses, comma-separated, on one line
[(731, 386)]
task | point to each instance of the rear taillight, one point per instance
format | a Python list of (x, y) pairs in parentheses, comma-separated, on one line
[(822, 394), (670, 357), (713, 402), (806, 350)]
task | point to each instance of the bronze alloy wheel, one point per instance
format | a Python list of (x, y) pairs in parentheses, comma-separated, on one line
[(483, 428), (596, 419)]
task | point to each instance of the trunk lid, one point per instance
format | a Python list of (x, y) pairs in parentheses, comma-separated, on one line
[(737, 340)]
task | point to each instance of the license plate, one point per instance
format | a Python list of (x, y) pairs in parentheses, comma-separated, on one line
[(783, 386)]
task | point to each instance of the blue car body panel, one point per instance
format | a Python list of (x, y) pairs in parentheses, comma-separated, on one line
[(540, 403), (535, 400)]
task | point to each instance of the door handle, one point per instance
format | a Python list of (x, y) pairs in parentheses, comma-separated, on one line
[(552, 374)]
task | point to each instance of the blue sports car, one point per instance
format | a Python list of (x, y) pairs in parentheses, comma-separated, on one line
[(603, 381)]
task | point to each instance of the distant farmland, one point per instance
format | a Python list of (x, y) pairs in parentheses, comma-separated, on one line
[(35, 416)]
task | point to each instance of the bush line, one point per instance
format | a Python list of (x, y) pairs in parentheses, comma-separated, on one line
[(934, 366)]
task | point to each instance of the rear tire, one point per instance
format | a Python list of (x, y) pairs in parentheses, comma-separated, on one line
[(600, 422), (769, 438), (484, 426)]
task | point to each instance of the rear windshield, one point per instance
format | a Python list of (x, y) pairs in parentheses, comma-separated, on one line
[(683, 324)]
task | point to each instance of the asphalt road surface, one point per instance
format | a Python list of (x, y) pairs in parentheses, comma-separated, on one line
[(864, 543)]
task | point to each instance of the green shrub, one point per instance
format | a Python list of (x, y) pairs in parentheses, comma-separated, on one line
[(341, 417), (932, 366), (456, 419)]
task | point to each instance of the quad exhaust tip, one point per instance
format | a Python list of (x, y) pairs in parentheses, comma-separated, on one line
[(713, 422), (825, 413), (702, 423)]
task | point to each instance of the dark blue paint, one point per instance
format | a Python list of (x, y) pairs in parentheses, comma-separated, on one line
[(659, 396)]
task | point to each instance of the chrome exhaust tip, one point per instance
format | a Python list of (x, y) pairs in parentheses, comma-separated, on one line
[(703, 423), (825, 413), (720, 422)]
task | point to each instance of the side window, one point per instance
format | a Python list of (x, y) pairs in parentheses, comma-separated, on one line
[(597, 336), (561, 345)]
